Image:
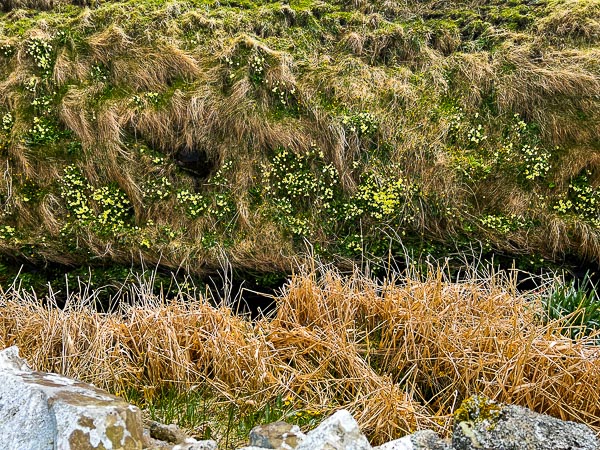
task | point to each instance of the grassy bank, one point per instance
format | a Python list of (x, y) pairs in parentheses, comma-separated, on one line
[(185, 135), (181, 131), (401, 354)]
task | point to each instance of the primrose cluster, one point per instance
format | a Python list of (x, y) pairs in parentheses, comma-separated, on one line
[(7, 122), (383, 197), (105, 209), (582, 202), (362, 123), (40, 50), (298, 186), (503, 224)]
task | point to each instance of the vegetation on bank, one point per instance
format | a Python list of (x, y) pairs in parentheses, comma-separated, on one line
[(193, 134), (181, 131), (400, 354)]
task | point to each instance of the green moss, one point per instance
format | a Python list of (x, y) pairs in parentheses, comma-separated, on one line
[(514, 18), (18, 27)]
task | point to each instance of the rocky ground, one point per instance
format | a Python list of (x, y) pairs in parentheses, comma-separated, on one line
[(43, 411)]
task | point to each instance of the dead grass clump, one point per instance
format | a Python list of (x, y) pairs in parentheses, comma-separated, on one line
[(588, 240), (153, 69), (68, 69), (573, 19), (9, 5), (576, 161), (532, 87), (135, 67), (477, 74), (355, 42), (110, 42), (556, 90), (72, 112), (393, 44), (401, 355), (42, 5), (446, 40)]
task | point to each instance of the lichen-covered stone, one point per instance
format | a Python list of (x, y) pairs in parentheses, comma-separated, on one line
[(276, 435), (338, 432), (483, 424), (398, 444), (187, 444), (480, 410), (44, 411)]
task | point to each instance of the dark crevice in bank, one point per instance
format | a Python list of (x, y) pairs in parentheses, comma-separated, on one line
[(247, 293)]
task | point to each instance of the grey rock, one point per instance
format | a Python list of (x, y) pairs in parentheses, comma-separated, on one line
[(399, 444), (170, 437), (187, 444), (421, 440), (251, 447), (338, 432), (166, 433), (45, 411), (484, 424), (429, 440), (151, 443), (276, 435), (197, 445)]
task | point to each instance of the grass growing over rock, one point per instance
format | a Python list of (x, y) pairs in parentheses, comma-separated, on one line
[(400, 354), (179, 131)]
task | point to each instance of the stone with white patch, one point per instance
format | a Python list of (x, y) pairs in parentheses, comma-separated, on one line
[(338, 432), (421, 440), (196, 445), (398, 444), (251, 447), (42, 411)]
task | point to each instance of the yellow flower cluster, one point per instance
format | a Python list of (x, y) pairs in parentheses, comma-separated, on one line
[(83, 200), (41, 53)]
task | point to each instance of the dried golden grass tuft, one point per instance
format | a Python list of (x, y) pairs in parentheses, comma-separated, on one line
[(145, 69), (400, 355), (9, 5), (578, 20)]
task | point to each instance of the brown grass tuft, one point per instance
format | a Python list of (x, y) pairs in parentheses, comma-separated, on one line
[(400, 356), (68, 69), (153, 69), (355, 42), (531, 87), (109, 42), (72, 113), (9, 5), (574, 19)]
